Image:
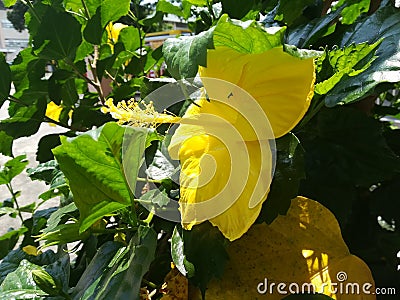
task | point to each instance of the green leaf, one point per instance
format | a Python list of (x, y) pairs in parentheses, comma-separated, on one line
[(87, 116), (289, 11), (118, 277), (178, 253), (168, 8), (45, 282), (25, 120), (83, 51), (359, 156), (110, 10), (94, 29), (27, 70), (93, 166), (6, 143), (50, 173), (383, 24), (349, 61), (5, 79), (246, 37), (20, 285), (11, 262), (89, 281), (10, 239), (289, 171), (12, 168), (56, 217), (304, 35), (69, 93), (113, 10), (62, 234), (197, 2), (46, 144), (353, 10), (9, 3), (204, 248), (43, 171), (76, 6), (237, 9), (156, 197), (58, 37), (302, 53), (7, 210), (130, 37), (160, 167), (59, 270), (126, 278), (156, 18), (183, 55)]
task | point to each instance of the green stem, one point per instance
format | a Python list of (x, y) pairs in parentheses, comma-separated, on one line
[(86, 9), (11, 190), (97, 81), (96, 84), (210, 9), (16, 100), (149, 218), (113, 230), (50, 120), (150, 284), (32, 8)]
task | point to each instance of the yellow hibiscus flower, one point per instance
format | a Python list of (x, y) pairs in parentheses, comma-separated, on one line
[(222, 141), (282, 86)]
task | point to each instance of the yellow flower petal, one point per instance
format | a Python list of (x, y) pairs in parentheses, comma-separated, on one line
[(206, 141), (208, 187), (303, 247), (226, 162), (53, 111), (282, 84), (113, 31), (31, 250)]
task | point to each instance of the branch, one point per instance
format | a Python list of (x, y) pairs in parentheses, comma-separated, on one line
[(97, 83)]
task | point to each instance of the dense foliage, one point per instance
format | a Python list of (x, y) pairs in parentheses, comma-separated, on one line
[(344, 153)]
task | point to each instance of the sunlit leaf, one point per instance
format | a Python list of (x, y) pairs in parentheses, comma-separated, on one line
[(383, 24), (305, 246), (118, 274), (183, 55), (20, 285), (349, 61), (92, 164), (8, 3), (353, 9), (246, 37), (12, 168)]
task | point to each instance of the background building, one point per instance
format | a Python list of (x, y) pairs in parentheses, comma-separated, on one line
[(11, 40)]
